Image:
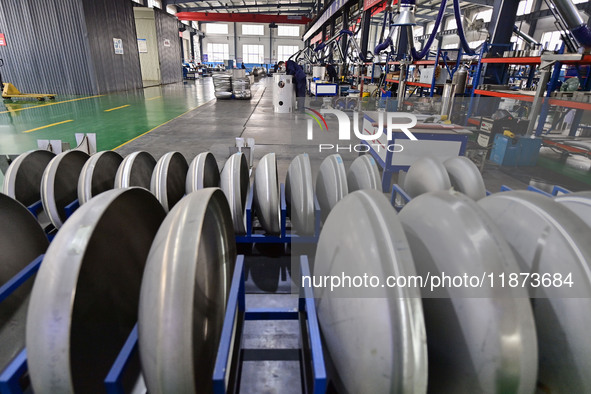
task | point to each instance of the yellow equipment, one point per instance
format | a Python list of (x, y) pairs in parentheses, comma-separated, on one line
[(9, 91)]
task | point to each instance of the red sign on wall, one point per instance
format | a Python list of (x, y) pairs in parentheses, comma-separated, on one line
[(2, 40), (367, 4)]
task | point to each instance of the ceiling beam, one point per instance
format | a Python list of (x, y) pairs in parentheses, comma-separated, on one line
[(306, 6), (242, 17)]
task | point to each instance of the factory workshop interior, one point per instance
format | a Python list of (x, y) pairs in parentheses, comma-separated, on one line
[(281, 196)]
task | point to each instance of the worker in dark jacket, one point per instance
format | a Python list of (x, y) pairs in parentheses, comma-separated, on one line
[(332, 73), (299, 77)]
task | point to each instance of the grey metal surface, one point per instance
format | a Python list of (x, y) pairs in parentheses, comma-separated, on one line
[(167, 29), (363, 174), (299, 194), (85, 299), (135, 170), (426, 175), (59, 186), (480, 340), (579, 203), (377, 344), (168, 179), (22, 180), (235, 184), (331, 183), (203, 172), (98, 174), (548, 238), (22, 54), (184, 294), (266, 194), (21, 241), (465, 177), (104, 21)]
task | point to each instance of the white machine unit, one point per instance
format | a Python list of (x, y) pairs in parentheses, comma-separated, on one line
[(318, 72), (283, 93), (377, 71), (427, 75)]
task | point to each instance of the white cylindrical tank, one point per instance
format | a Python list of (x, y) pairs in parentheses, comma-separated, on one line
[(283, 93)]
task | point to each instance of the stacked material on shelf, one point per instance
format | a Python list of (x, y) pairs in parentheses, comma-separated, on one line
[(222, 83), (241, 87)]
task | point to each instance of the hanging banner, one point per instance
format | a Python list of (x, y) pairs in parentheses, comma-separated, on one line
[(2, 40)]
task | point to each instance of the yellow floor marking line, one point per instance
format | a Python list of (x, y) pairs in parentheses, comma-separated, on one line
[(48, 104), (153, 98), (113, 109), (152, 129), (49, 125)]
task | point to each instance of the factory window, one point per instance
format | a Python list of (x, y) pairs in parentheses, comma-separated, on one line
[(579, 1), (485, 15), (418, 31), (453, 45), (218, 52), (253, 30), (525, 7), (551, 40), (285, 51), (288, 31), (518, 43), (216, 28), (154, 3), (450, 24), (253, 54), (475, 44), (171, 9)]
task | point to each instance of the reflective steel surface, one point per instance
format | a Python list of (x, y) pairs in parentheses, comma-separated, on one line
[(465, 177), (425, 175), (22, 180), (299, 194), (331, 183), (21, 240), (377, 344), (59, 185), (548, 238), (579, 203), (85, 299), (184, 293), (168, 179), (235, 184), (363, 174), (266, 194), (135, 170), (203, 172), (479, 340), (98, 175)]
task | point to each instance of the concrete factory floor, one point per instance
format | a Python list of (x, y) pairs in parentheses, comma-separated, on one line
[(187, 118)]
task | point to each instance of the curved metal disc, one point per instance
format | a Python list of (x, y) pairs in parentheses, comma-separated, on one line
[(266, 194), (375, 336), (550, 239), (426, 175), (465, 177), (22, 180), (479, 340), (203, 172), (98, 174), (21, 240), (331, 183), (135, 170), (168, 179), (363, 174), (85, 300), (59, 186), (299, 194), (235, 183), (579, 203), (184, 294)]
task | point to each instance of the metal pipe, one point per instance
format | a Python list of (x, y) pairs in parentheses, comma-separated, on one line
[(569, 12), (525, 37), (419, 55)]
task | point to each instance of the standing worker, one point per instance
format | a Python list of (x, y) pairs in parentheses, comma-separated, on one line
[(299, 76), (243, 66)]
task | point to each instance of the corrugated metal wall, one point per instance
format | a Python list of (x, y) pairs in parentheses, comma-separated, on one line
[(46, 49), (105, 20), (170, 56)]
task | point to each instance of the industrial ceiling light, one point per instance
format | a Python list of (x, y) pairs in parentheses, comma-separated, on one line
[(406, 16)]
